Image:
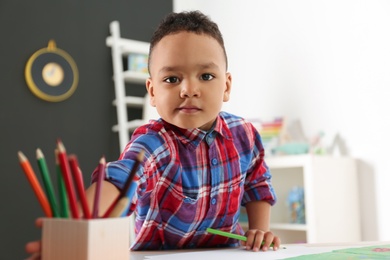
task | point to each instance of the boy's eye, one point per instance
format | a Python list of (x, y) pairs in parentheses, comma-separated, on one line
[(171, 80), (207, 77)]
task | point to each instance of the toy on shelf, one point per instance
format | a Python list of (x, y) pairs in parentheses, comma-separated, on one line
[(296, 205), (138, 62), (270, 132), (293, 140), (280, 138)]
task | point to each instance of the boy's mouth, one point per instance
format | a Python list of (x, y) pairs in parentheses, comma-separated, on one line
[(189, 109)]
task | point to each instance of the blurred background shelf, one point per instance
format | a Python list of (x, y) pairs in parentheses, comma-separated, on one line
[(330, 197)]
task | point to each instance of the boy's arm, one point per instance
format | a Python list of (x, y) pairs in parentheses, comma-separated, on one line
[(108, 194), (258, 215), (259, 221)]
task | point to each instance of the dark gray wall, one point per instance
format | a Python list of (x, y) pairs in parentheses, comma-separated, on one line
[(83, 121)]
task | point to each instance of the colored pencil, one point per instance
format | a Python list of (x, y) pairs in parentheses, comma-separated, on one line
[(231, 235), (63, 197), (129, 195), (123, 203), (78, 178), (66, 174), (126, 187), (226, 234), (47, 182), (120, 207), (31, 177), (101, 173)]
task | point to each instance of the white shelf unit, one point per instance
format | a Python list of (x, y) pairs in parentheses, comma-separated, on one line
[(121, 48), (331, 198)]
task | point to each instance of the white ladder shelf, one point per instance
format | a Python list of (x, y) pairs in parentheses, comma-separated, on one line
[(121, 47)]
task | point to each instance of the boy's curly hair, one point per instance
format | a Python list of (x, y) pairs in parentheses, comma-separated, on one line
[(191, 21)]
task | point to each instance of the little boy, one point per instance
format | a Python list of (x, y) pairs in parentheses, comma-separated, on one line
[(200, 164)]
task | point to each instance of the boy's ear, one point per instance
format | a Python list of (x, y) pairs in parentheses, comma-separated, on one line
[(150, 89), (226, 94)]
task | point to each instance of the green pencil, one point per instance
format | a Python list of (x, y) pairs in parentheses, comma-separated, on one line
[(225, 234), (47, 182), (230, 235)]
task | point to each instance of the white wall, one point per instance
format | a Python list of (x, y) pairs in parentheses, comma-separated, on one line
[(326, 63)]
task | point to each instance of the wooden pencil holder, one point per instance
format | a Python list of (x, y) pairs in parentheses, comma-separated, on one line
[(93, 239)]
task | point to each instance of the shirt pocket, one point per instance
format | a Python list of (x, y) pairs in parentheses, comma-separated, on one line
[(186, 195), (176, 209)]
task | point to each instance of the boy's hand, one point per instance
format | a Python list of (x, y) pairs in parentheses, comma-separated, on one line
[(34, 247), (260, 240)]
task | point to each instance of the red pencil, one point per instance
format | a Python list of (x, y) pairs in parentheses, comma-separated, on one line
[(32, 178), (101, 172), (78, 178), (65, 169)]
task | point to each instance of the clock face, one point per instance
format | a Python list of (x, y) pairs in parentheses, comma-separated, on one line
[(51, 74)]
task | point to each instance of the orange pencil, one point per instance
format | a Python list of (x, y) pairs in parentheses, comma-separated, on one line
[(65, 169), (26, 166), (78, 178)]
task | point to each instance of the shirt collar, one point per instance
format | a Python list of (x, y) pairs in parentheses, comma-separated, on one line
[(195, 136)]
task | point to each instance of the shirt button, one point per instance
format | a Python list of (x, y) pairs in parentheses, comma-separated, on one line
[(213, 201), (187, 200), (214, 161)]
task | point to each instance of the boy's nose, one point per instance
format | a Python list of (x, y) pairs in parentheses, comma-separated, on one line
[(189, 89)]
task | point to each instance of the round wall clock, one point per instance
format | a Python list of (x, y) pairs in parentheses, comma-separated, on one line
[(51, 73)]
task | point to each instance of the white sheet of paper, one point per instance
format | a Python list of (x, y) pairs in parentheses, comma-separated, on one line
[(241, 253)]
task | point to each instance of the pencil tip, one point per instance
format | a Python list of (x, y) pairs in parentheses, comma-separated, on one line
[(103, 160), (22, 157), (140, 155), (61, 147), (39, 153), (56, 152)]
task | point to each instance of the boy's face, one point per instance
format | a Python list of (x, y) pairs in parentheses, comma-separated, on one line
[(188, 81)]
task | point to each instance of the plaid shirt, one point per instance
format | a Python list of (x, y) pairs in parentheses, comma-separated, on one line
[(191, 180)]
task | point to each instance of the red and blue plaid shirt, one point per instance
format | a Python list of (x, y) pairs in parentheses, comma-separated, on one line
[(191, 180)]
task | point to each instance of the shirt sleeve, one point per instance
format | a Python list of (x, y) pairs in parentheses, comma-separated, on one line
[(118, 171), (258, 179)]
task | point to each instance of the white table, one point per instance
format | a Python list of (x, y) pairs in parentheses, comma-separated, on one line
[(290, 250)]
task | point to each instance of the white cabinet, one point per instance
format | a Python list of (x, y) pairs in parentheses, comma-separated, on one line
[(330, 187), (331, 198)]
